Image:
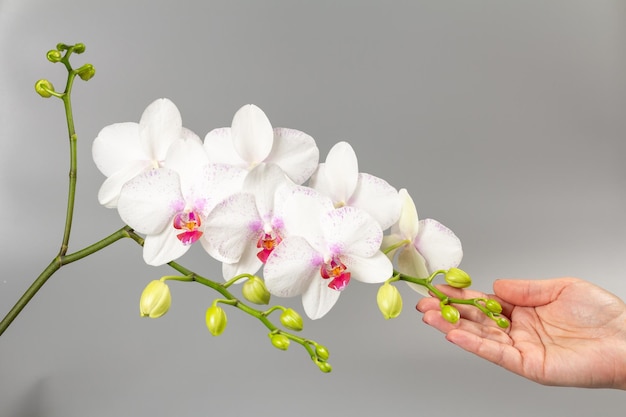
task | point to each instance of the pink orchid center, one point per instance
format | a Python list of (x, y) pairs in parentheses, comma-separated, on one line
[(267, 242), (189, 222), (335, 270)]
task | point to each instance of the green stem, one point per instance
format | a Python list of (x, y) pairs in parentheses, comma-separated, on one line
[(69, 116), (54, 266)]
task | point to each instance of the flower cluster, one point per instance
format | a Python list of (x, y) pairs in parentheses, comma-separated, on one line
[(257, 198)]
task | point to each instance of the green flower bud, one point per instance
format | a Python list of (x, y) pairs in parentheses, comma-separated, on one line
[(493, 306), (254, 291), (79, 48), (44, 88), (458, 278), (216, 320), (54, 55), (450, 313), (291, 319), (155, 299), (324, 367), (321, 352), (62, 46), (389, 301), (86, 72), (280, 341), (503, 322)]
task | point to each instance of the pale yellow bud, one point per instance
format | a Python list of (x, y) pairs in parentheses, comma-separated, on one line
[(254, 291), (155, 299), (458, 278), (216, 320), (389, 301)]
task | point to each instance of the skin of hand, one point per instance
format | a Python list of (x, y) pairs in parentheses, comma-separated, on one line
[(563, 332)]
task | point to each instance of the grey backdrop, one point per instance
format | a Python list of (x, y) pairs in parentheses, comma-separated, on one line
[(505, 120)]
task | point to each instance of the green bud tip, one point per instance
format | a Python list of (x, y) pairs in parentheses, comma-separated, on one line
[(155, 300), (291, 319), (450, 313), (280, 341), (493, 306), (458, 278), (86, 72), (44, 88), (503, 322), (321, 352), (216, 320), (79, 48), (389, 301), (62, 46), (54, 55), (254, 290), (324, 367)]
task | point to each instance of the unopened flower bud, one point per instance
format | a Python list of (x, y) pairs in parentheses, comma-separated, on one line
[(44, 88), (291, 319), (450, 313), (280, 341), (79, 48), (503, 322), (458, 278), (324, 367), (321, 352), (216, 320), (254, 291), (389, 301), (493, 306), (155, 300), (86, 72), (54, 55)]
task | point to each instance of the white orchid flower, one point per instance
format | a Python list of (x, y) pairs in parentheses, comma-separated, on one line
[(245, 228), (339, 179), (169, 204), (323, 249), (251, 141), (122, 151), (424, 246)]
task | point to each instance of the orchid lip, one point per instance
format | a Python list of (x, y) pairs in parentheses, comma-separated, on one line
[(267, 242), (190, 222), (336, 270)]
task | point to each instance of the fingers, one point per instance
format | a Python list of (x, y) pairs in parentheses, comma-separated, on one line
[(503, 354), (530, 293), (486, 330)]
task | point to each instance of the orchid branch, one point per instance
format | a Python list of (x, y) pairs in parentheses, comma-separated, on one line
[(280, 338)]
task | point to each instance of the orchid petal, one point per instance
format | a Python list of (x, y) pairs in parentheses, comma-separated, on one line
[(212, 185), (110, 189), (219, 147), (371, 270), (439, 246), (408, 223), (263, 181), (411, 263), (248, 263), (378, 198), (302, 211), (149, 202), (338, 177), (159, 249), (291, 266), (231, 227), (295, 152), (349, 230), (252, 134), (159, 126), (318, 298), (117, 146), (186, 156)]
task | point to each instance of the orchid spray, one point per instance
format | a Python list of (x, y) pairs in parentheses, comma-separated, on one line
[(257, 199)]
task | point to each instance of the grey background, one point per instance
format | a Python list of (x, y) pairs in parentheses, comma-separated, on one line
[(505, 121)]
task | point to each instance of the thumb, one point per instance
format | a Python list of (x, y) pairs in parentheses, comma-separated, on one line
[(529, 293)]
